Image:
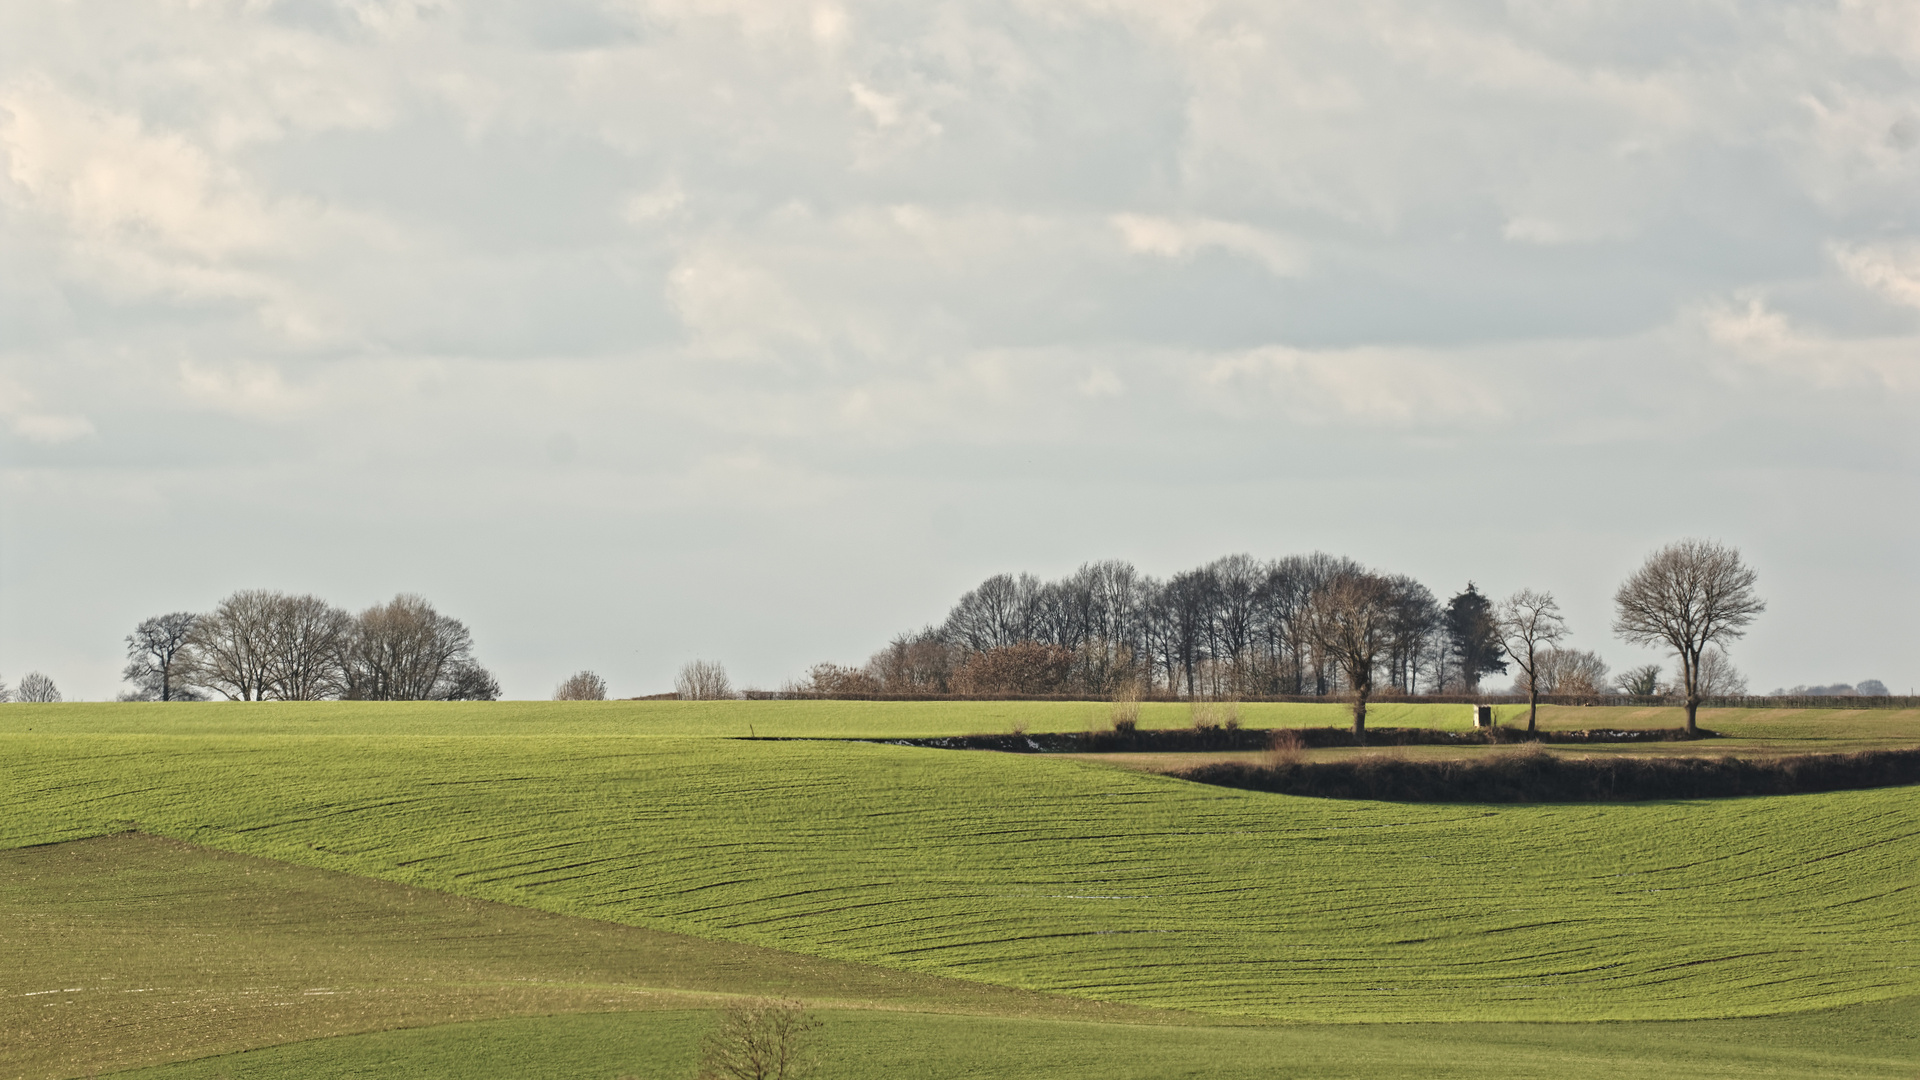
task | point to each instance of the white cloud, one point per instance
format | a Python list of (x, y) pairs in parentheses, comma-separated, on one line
[(1892, 270), (1182, 238), (732, 307), (50, 429), (1536, 230), (245, 389), (1751, 335), (1394, 386), (116, 184), (655, 203)]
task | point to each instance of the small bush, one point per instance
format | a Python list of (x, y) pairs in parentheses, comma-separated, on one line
[(1288, 748), (703, 680), (1210, 714), (581, 686), (760, 1039)]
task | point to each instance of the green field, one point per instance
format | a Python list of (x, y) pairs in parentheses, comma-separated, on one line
[(1863, 1042), (1018, 888)]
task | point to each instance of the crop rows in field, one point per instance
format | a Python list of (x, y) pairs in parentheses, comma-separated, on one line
[(1060, 875), (671, 719), (1860, 1043), (1780, 730)]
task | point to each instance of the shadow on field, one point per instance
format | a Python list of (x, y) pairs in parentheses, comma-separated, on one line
[(1218, 739), (1532, 775)]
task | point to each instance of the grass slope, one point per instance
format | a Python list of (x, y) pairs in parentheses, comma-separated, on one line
[(186, 953), (1058, 875), (1749, 730), (130, 949), (1877, 1042), (673, 719)]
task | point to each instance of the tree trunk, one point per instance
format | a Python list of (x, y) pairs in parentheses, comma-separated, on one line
[(1360, 718), (1693, 706), (1533, 703)]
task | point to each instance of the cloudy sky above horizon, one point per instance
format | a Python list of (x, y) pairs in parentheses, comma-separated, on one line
[(633, 332)]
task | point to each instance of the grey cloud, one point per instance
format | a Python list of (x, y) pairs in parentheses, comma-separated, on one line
[(522, 304)]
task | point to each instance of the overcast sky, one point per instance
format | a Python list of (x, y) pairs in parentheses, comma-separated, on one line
[(636, 332)]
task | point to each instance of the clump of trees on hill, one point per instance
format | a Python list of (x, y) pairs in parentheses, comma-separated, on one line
[(1304, 625), (35, 689), (258, 645), (1301, 625)]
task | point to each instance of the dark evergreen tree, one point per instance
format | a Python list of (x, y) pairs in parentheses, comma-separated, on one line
[(1473, 636)]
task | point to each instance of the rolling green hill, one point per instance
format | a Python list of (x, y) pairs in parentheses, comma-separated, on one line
[(1051, 874), (127, 950), (1858, 1043)]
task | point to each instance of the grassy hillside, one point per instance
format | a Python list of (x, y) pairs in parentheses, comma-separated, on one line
[(1053, 874), (129, 950), (141, 950), (1868, 1043), (674, 719), (1782, 730)]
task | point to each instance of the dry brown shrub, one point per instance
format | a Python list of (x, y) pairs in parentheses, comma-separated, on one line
[(1288, 749), (1027, 668), (835, 679), (1126, 708), (1211, 713)]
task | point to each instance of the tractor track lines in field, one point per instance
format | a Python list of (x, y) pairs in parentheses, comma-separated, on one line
[(1038, 872)]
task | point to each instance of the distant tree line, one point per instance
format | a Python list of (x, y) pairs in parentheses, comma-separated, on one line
[(1237, 626), (258, 645), (1865, 688), (1314, 625)]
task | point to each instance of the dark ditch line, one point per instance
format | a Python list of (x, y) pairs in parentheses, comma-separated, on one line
[(1539, 777), (1203, 740), (1523, 777)]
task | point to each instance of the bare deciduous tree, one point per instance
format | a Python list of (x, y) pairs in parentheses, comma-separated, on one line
[(1353, 625), (36, 688), (230, 647), (760, 1039), (404, 650), (917, 663), (1643, 681), (1688, 596), (472, 682), (1572, 672), (581, 686), (1529, 622), (157, 656), (308, 641), (1718, 676), (703, 680), (838, 679)]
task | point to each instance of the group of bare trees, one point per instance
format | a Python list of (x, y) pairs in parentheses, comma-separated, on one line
[(258, 645), (35, 689), (1235, 627), (1306, 625)]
